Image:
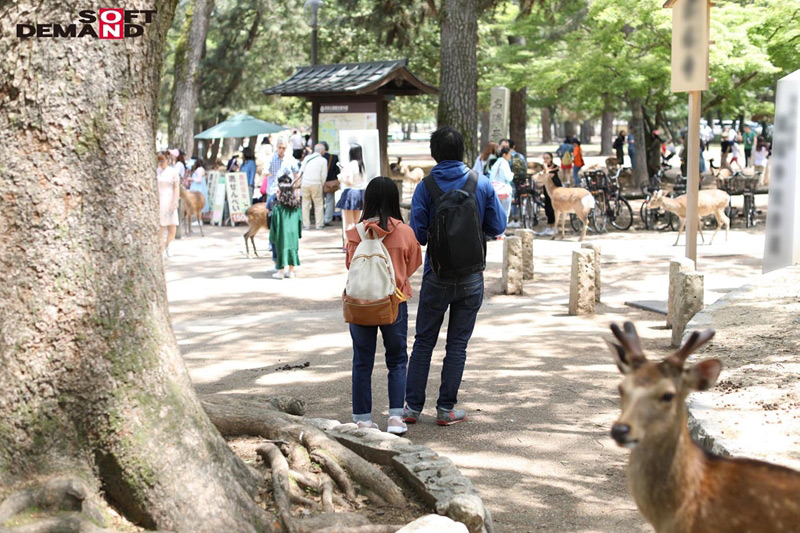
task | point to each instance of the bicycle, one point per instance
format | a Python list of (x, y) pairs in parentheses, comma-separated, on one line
[(598, 215), (618, 210), (652, 217), (529, 204)]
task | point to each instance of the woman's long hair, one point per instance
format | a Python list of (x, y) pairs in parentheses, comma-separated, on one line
[(489, 149), (357, 154), (199, 163), (381, 201), (286, 196), (247, 153)]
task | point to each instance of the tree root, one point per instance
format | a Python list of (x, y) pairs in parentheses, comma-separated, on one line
[(61, 494), (242, 417), (281, 491), (337, 473), (361, 529)]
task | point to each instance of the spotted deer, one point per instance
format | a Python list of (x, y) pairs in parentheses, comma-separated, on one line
[(678, 486)]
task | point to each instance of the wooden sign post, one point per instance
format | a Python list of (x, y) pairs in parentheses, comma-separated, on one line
[(690, 41)]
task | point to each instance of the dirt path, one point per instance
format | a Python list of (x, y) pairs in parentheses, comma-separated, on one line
[(539, 385)]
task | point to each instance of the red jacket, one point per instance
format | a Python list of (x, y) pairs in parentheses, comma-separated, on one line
[(402, 246)]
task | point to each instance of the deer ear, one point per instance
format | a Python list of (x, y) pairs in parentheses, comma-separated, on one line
[(703, 375), (620, 357)]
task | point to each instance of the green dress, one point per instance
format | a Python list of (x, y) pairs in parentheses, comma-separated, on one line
[(284, 233)]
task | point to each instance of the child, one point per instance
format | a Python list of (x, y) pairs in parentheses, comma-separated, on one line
[(285, 228), (382, 213)]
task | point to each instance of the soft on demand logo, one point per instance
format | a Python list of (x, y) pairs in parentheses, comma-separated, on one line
[(113, 23)]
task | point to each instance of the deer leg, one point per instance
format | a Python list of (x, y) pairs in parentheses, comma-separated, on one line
[(252, 240), (721, 215), (680, 229), (585, 220), (247, 246), (555, 226), (700, 230), (200, 222)]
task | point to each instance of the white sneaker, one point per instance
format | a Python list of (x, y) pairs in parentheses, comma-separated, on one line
[(369, 424), (290, 274), (547, 232), (277, 275), (513, 224), (396, 425)]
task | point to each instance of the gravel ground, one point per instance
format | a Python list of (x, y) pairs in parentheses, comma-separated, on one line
[(539, 386)]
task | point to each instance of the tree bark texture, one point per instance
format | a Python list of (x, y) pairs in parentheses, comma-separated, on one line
[(607, 133), (640, 176), (547, 135), (518, 122), (186, 87), (587, 131), (484, 129), (92, 384), (569, 129), (458, 99)]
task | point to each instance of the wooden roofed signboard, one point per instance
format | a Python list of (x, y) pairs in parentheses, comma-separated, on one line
[(690, 41)]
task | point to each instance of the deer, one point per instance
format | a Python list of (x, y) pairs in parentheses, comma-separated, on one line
[(567, 200), (678, 486), (192, 203), (709, 202), (414, 176), (395, 167), (256, 220)]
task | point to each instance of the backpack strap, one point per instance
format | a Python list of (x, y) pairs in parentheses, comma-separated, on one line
[(472, 182), (362, 232), (434, 190)]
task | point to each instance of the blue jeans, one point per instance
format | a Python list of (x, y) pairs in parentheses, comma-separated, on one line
[(365, 339), (575, 179), (329, 203), (464, 297), (632, 155)]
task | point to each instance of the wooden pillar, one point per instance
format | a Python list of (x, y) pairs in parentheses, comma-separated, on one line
[(315, 121), (693, 171), (383, 134)]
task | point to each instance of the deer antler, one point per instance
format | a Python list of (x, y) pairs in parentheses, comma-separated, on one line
[(630, 342), (695, 341)]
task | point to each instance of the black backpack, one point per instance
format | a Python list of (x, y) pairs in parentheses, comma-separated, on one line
[(456, 243)]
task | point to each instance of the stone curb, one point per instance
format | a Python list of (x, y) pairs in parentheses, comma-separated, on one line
[(435, 478), (702, 424)]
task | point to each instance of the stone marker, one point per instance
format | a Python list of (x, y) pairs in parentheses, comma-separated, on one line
[(499, 105), (581, 283), (512, 265), (688, 302), (596, 249), (527, 252), (681, 264)]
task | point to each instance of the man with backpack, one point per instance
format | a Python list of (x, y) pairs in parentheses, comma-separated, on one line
[(452, 211), (519, 168)]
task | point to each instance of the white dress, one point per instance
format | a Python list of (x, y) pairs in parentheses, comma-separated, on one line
[(167, 179)]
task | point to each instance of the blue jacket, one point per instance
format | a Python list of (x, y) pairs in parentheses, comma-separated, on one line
[(451, 175)]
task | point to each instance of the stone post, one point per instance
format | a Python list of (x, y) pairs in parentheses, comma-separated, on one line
[(499, 104), (581, 284), (688, 302), (512, 265), (596, 249), (676, 266), (527, 252)]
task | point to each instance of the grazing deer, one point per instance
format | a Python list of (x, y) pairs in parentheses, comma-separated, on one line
[(535, 167), (678, 486), (569, 200), (256, 220), (192, 203), (395, 167), (709, 202)]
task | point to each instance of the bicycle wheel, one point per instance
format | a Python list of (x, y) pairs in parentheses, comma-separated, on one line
[(527, 212), (644, 213), (621, 213), (598, 213)]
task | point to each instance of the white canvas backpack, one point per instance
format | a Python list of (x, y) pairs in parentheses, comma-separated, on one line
[(371, 296)]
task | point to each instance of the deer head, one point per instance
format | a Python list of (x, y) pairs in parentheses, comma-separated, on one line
[(657, 200), (652, 393)]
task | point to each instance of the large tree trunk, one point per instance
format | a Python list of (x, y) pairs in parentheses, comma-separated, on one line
[(92, 385), (518, 109), (607, 133), (186, 88), (547, 136), (587, 131), (640, 176), (458, 100), (569, 128), (484, 128)]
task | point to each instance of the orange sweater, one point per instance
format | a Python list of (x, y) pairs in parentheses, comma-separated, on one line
[(402, 246), (577, 156)]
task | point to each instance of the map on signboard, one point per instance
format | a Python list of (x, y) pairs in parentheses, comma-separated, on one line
[(330, 124), (218, 200), (238, 196)]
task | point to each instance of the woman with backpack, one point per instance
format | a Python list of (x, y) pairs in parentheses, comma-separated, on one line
[(285, 229), (482, 166), (381, 218)]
